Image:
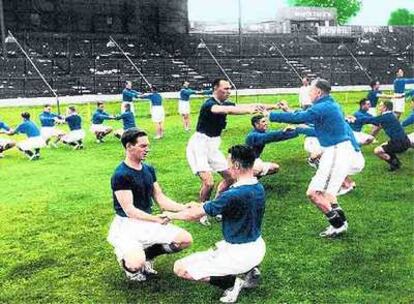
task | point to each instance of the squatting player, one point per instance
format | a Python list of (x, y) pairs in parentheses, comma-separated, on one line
[(97, 126), (5, 144)]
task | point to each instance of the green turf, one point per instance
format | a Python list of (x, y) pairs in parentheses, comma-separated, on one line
[(55, 214)]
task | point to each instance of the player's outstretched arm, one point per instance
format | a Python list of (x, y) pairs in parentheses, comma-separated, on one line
[(237, 109), (193, 212), (125, 199), (164, 201)]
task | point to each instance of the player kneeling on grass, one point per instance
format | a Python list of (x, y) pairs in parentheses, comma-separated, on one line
[(232, 265), (31, 146), (259, 137), (97, 127), (76, 135), (128, 120), (363, 112), (399, 141), (48, 129), (5, 144), (136, 234)]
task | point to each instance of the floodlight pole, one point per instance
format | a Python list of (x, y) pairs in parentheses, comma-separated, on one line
[(3, 30), (287, 61), (356, 60), (129, 59), (37, 70), (220, 67)]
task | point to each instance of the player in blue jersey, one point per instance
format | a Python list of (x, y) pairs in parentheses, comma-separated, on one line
[(184, 108), (339, 154), (409, 121), (128, 96), (5, 143), (399, 92), (76, 135), (373, 96), (31, 146), (128, 121), (157, 111), (361, 137), (259, 137), (398, 140), (203, 149), (48, 129), (137, 235), (97, 126), (232, 264)]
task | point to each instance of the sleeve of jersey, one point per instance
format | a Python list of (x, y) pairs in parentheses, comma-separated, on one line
[(308, 116), (274, 136), (217, 206), (409, 80), (408, 121), (376, 120), (4, 126), (121, 182), (19, 129), (152, 171)]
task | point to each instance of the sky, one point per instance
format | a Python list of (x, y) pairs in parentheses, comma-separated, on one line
[(373, 12)]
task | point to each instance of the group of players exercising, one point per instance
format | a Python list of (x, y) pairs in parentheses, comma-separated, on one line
[(139, 236)]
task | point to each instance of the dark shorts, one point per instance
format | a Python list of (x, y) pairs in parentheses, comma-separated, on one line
[(397, 145)]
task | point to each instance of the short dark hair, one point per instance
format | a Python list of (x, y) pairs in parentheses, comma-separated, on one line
[(216, 82), (99, 103), (363, 101), (323, 85), (72, 108), (243, 155), (373, 83), (131, 135), (47, 105), (256, 118), (25, 115), (127, 106), (388, 105)]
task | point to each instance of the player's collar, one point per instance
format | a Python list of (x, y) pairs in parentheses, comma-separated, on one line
[(245, 182), (386, 112)]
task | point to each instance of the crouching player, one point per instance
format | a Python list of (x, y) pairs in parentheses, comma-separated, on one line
[(136, 234), (5, 144), (128, 120), (97, 127), (76, 135), (232, 265)]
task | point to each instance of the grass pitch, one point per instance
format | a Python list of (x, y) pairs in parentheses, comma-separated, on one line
[(55, 214)]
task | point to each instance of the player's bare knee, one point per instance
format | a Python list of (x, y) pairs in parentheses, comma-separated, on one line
[(183, 240)]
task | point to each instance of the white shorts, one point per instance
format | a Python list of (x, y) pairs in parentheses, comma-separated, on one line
[(260, 167), (126, 235), (335, 164), (31, 143), (398, 105), (361, 137), (4, 142), (99, 128), (312, 145), (372, 111), (48, 132), (411, 138), (357, 163), (157, 113), (183, 107), (74, 136), (227, 259), (131, 106), (204, 155)]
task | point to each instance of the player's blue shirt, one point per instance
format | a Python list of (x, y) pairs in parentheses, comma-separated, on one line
[(74, 122), (209, 123), (29, 128), (389, 123), (399, 84), (373, 97), (140, 182), (325, 115), (258, 139), (357, 125), (155, 98), (242, 207), (409, 120), (185, 94), (128, 95), (4, 126), (47, 119), (99, 116), (310, 132), (128, 119)]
